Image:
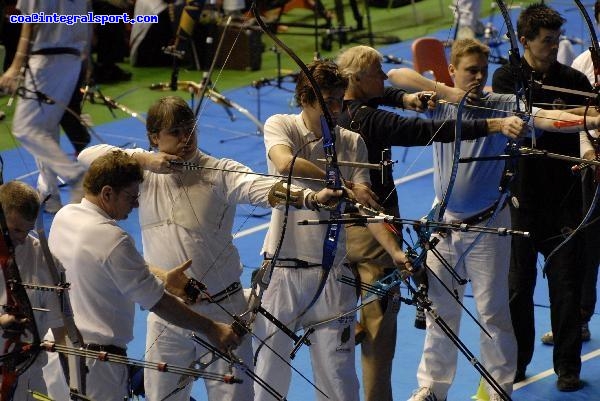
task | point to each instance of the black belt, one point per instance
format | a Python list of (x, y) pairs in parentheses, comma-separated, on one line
[(57, 50), (294, 263), (482, 216), (226, 293), (474, 219), (111, 349)]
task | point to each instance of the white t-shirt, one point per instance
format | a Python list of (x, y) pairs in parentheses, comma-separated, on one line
[(107, 274), (58, 35), (301, 241)]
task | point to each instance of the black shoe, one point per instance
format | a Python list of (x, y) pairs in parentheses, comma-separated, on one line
[(569, 382), (519, 375), (585, 332)]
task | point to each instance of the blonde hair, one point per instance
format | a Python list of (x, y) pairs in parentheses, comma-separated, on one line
[(356, 60), (464, 47)]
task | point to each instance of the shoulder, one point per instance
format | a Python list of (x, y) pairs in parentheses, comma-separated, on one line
[(283, 125), (352, 143), (503, 70), (570, 72), (30, 249), (230, 164), (349, 137), (576, 79), (66, 212), (282, 119), (583, 58), (86, 219)]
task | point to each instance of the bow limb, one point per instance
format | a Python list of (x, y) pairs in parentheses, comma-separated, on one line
[(514, 56), (299, 62), (595, 56), (235, 361), (441, 209), (243, 327), (594, 46), (21, 349), (213, 64), (77, 366), (333, 177)]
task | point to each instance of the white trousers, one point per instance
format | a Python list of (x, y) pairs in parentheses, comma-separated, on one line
[(106, 381), (171, 344), (486, 265), (332, 349), (468, 12), (36, 124)]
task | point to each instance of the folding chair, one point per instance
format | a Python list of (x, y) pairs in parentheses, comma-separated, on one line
[(429, 56)]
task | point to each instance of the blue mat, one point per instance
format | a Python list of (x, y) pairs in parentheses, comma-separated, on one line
[(221, 137)]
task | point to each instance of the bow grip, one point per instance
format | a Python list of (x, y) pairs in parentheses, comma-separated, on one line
[(333, 179)]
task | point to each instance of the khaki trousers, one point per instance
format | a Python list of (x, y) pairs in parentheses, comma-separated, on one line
[(379, 319)]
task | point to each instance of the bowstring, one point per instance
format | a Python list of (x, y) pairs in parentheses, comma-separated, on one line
[(184, 189)]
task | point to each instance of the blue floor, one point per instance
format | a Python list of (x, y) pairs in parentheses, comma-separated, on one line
[(238, 140)]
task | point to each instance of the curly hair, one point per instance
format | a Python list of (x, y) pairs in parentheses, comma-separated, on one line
[(535, 17), (328, 77), (116, 169)]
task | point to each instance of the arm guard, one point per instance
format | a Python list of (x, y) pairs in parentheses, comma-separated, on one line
[(279, 191)]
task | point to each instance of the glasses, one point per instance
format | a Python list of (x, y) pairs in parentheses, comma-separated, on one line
[(132, 197)]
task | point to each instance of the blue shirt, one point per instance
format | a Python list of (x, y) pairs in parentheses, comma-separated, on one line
[(476, 185)]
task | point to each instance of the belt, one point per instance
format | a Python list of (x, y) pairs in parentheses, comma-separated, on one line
[(294, 263), (57, 50), (481, 216), (221, 295), (111, 349)]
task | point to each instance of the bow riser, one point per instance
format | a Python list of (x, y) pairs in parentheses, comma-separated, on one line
[(21, 349)]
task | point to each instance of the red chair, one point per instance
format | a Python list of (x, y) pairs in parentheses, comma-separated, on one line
[(429, 56)]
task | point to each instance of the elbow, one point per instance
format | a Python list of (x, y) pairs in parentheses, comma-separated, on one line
[(394, 76), (284, 165)]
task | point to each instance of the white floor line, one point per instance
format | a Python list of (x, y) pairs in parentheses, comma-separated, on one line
[(549, 372), (30, 174), (252, 230)]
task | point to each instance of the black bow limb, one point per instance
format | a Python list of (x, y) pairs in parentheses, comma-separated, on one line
[(235, 361)]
